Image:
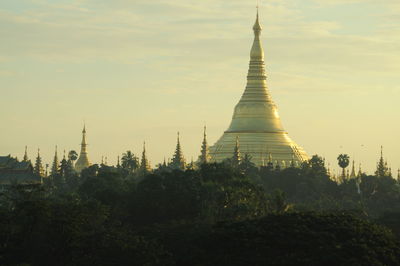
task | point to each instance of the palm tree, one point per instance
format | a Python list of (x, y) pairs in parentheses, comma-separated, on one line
[(72, 155), (129, 161), (343, 161)]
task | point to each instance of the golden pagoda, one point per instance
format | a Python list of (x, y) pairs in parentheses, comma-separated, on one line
[(83, 160), (255, 120)]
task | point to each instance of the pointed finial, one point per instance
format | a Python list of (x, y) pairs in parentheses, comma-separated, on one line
[(64, 155), (144, 149), (257, 27), (26, 154), (178, 139)]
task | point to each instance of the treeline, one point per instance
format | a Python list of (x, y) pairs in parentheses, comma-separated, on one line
[(218, 214)]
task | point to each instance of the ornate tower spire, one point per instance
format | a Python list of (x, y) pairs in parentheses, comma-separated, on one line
[(382, 167), (236, 153), (256, 117), (353, 171), (270, 164), (64, 166), (38, 169), (83, 160), (359, 174), (178, 161), (205, 155), (55, 168), (144, 163), (25, 159)]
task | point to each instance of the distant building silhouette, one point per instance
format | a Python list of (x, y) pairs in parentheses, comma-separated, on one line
[(83, 160), (14, 172)]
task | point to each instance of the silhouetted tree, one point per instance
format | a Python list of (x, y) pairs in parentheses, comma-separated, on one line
[(343, 161)]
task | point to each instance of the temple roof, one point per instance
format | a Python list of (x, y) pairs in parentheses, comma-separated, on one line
[(8, 162)]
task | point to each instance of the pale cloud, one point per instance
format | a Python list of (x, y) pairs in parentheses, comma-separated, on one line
[(7, 73)]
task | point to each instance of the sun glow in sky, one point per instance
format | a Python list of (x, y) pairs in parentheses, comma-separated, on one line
[(139, 70)]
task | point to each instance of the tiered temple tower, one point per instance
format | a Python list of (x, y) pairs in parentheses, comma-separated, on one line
[(144, 163), (205, 151), (83, 160), (178, 161), (256, 121)]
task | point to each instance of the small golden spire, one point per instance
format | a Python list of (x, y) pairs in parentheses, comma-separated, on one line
[(257, 26)]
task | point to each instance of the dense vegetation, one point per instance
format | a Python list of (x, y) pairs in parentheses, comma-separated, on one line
[(218, 214)]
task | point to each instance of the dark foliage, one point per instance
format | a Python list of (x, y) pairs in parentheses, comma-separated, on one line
[(288, 239), (217, 215)]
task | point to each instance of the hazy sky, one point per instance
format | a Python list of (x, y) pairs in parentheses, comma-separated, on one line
[(140, 70)]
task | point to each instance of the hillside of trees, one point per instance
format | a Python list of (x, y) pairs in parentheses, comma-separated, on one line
[(216, 214)]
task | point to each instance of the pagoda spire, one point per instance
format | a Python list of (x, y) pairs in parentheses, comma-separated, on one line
[(353, 171), (25, 159), (178, 161), (144, 163), (256, 88), (270, 164), (359, 174), (236, 153), (55, 166), (83, 160), (382, 167), (205, 155), (38, 168), (64, 166)]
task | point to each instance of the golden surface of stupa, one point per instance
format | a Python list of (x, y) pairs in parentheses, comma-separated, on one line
[(255, 122)]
